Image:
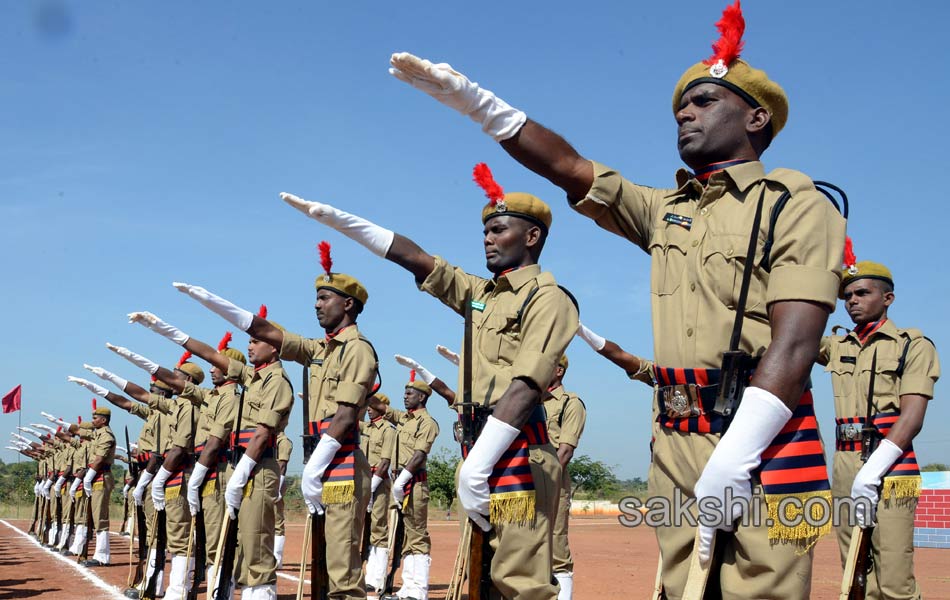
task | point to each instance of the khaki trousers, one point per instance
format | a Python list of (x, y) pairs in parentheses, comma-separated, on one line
[(892, 542), (751, 567), (416, 521), (561, 550), (100, 502), (212, 511), (379, 518), (344, 535), (254, 562)]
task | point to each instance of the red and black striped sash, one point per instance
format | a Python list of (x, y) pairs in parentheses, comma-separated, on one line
[(212, 474), (511, 485), (100, 475), (420, 477), (795, 460), (342, 467), (905, 466)]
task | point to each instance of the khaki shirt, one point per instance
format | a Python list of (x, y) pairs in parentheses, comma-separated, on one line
[(566, 417), (696, 273), (148, 436), (508, 342), (342, 369), (81, 457), (183, 419), (268, 395), (67, 458), (218, 409), (415, 430), (850, 366), (377, 440), (284, 447), (103, 446)]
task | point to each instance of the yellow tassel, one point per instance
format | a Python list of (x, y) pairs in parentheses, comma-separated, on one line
[(98, 485), (805, 533), (249, 488), (512, 507), (78, 494), (208, 488), (338, 492), (172, 493), (901, 486)]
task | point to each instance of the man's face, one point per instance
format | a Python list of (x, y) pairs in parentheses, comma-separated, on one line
[(712, 125), (866, 301), (99, 421), (260, 353), (217, 376), (413, 398), (371, 412), (558, 376), (506, 242), (331, 308)]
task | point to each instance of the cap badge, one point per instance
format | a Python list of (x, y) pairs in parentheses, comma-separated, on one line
[(719, 69)]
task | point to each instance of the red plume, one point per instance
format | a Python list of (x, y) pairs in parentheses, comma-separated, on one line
[(412, 375), (375, 388), (731, 27), (325, 261), (58, 429), (849, 257), (223, 344), (79, 419), (154, 379), (184, 358), (483, 177), (93, 405), (262, 313)]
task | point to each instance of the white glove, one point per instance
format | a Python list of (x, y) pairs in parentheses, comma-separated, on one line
[(497, 118), (136, 359), (198, 473), (593, 340), (234, 492), (36, 488), (761, 416), (399, 487), (421, 371), (868, 479), (87, 481), (158, 326), (125, 490), (92, 387), (448, 355), (158, 488), (44, 427), (474, 494), (311, 484), (108, 376), (46, 487), (230, 312), (75, 486), (56, 420), (374, 484), (139, 494), (375, 238), (280, 489), (58, 486)]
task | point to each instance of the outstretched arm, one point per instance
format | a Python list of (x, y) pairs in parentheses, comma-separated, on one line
[(534, 146), (196, 347), (634, 366), (378, 240)]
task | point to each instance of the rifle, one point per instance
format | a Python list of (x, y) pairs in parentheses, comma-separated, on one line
[(460, 567), (396, 538), (860, 559), (364, 543), (201, 557), (219, 579), (479, 551)]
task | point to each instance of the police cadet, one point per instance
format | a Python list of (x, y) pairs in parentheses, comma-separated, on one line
[(377, 438), (69, 501), (567, 416), (698, 236), (168, 485), (522, 323), (342, 368), (81, 458), (58, 476), (253, 483), (152, 441), (902, 367), (98, 483), (416, 430)]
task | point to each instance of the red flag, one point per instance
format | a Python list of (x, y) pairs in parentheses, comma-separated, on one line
[(11, 401)]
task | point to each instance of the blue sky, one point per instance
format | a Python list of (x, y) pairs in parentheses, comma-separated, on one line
[(147, 143)]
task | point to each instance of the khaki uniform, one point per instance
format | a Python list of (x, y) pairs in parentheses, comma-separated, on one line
[(216, 418), (698, 238), (68, 501), (415, 432), (338, 377), (849, 362), (56, 500), (150, 440), (377, 440), (268, 399), (515, 337), (567, 416), (103, 447), (284, 449), (183, 423)]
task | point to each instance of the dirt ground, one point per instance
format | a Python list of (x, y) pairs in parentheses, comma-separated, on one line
[(610, 562)]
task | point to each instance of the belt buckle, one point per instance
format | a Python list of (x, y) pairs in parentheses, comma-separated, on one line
[(681, 401), (457, 431), (850, 432)]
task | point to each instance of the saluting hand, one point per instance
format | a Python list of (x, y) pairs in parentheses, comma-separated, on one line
[(159, 326), (376, 239), (448, 355), (92, 387)]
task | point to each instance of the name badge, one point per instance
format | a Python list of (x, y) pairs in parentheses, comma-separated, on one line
[(851, 360), (479, 306), (317, 361), (682, 221)]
